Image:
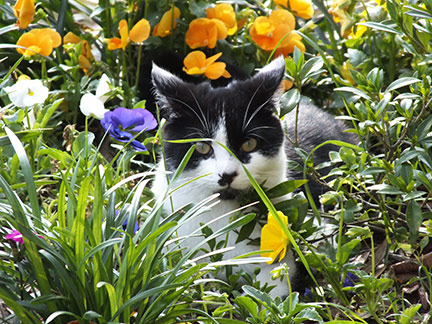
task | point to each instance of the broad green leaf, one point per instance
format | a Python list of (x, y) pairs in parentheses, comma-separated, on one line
[(402, 82), (354, 91), (285, 188), (289, 101), (408, 314), (414, 219)]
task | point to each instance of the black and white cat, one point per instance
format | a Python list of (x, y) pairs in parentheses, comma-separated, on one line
[(241, 117)]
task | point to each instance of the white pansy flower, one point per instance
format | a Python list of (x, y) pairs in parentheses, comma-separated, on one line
[(27, 93), (93, 105)]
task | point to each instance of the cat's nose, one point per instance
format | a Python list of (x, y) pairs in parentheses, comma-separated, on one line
[(227, 178)]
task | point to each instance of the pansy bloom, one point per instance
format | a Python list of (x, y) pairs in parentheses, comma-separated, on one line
[(86, 55), (124, 124), (204, 32), (41, 41), (24, 10), (27, 93), (167, 23), (274, 238), (301, 8), (225, 13), (138, 34), (92, 105), (197, 63), (277, 30)]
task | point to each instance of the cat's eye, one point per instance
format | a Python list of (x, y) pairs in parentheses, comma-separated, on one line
[(203, 148), (249, 145)]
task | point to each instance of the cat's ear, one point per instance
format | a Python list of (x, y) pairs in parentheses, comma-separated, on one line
[(267, 83), (167, 87)]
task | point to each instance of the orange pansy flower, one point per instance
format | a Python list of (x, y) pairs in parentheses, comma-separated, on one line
[(293, 40), (205, 32), (225, 13), (167, 23), (197, 63), (40, 41), (274, 238), (24, 10), (276, 30), (139, 33)]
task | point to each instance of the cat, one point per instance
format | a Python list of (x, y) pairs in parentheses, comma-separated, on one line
[(240, 116)]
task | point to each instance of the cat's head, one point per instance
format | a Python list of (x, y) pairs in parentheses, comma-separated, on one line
[(240, 117)]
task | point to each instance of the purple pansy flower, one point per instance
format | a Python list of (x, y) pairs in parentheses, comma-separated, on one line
[(123, 124), (350, 280), (136, 227)]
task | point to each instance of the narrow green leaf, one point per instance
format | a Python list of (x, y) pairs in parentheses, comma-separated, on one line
[(24, 315), (28, 175), (78, 228), (380, 27)]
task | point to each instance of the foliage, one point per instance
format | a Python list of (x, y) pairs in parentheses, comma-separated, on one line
[(76, 200)]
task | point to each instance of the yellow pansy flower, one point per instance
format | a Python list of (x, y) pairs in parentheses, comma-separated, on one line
[(167, 23), (197, 63), (301, 8), (139, 33), (41, 41), (24, 10), (273, 238)]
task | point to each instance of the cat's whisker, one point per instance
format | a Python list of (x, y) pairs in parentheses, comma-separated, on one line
[(248, 106), (261, 127), (203, 122), (256, 112), (200, 109)]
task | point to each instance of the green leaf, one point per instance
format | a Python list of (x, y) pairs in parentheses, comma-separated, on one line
[(345, 250), (310, 314), (408, 314), (402, 82), (380, 27), (289, 101), (285, 188), (261, 297), (414, 219), (354, 91), (28, 175), (385, 189), (249, 304)]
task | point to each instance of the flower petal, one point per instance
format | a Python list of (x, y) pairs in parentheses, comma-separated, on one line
[(215, 70), (114, 43), (92, 106), (103, 88), (124, 33), (167, 22), (195, 59), (140, 32), (24, 10)]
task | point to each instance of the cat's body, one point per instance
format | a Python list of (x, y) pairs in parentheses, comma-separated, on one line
[(239, 117)]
